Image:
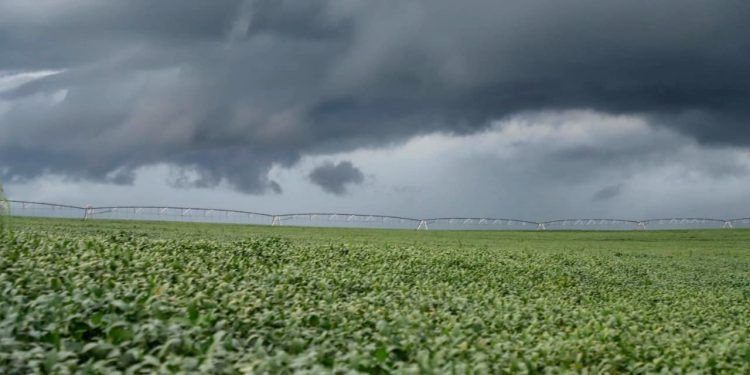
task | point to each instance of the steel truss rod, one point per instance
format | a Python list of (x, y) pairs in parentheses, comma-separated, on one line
[(91, 212)]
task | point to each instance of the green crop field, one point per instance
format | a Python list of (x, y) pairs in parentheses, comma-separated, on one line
[(139, 297)]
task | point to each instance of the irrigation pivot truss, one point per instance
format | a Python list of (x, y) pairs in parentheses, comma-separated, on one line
[(324, 219)]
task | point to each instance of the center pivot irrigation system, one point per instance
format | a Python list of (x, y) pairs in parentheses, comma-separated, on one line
[(192, 214)]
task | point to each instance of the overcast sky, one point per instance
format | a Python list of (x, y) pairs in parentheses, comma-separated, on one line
[(527, 109)]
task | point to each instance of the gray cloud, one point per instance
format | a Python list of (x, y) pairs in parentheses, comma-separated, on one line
[(225, 90), (608, 192), (514, 169), (335, 178)]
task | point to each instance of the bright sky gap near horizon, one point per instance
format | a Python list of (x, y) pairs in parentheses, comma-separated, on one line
[(533, 110)]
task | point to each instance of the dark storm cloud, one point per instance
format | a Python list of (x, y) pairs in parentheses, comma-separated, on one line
[(335, 178), (608, 192), (224, 90)]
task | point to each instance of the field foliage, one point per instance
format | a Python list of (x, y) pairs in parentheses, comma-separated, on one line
[(143, 298)]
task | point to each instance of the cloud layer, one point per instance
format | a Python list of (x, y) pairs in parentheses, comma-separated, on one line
[(512, 169), (224, 91)]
